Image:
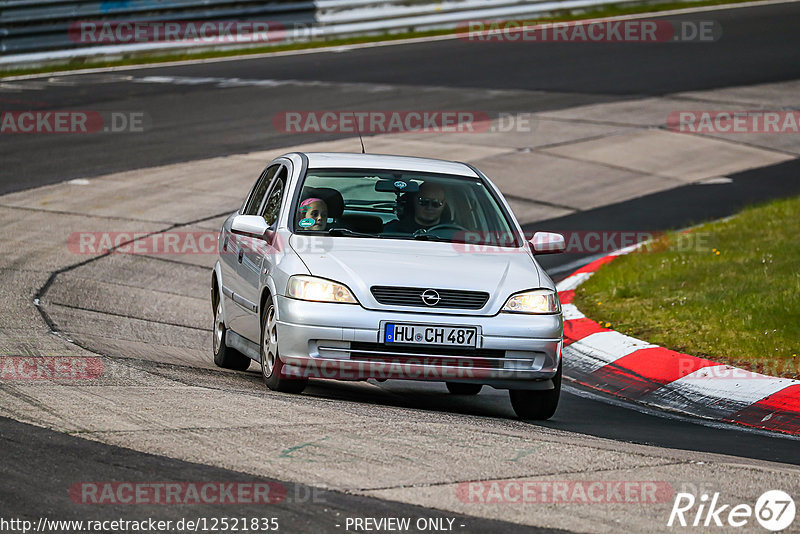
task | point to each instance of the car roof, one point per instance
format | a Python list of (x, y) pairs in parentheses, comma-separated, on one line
[(384, 161)]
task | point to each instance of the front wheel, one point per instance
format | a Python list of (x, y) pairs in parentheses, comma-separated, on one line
[(537, 405), (225, 356), (271, 364)]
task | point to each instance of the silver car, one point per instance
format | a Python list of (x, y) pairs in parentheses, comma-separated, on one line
[(360, 266)]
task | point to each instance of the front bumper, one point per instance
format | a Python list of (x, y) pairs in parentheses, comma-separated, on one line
[(343, 341)]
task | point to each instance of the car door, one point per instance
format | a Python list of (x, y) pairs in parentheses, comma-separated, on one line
[(238, 309), (259, 258)]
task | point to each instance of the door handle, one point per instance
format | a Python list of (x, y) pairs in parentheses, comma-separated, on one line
[(241, 253)]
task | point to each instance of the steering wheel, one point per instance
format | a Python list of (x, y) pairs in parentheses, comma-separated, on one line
[(442, 226)]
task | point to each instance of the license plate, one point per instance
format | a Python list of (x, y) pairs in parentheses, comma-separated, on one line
[(420, 334)]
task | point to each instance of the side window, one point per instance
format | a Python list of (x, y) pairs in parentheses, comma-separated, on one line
[(272, 207), (260, 189)]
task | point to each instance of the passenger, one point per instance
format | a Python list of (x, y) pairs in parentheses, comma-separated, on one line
[(312, 214)]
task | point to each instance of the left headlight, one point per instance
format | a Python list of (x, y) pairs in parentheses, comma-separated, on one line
[(319, 290), (535, 301)]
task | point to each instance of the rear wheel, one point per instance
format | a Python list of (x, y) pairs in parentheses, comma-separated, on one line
[(537, 405), (225, 356), (463, 388), (271, 364)]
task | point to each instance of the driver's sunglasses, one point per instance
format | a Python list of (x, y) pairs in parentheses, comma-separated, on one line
[(432, 202)]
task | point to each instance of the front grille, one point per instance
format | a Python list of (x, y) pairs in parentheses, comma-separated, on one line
[(461, 357), (412, 296)]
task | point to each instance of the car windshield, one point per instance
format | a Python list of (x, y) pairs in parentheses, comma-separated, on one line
[(401, 205)]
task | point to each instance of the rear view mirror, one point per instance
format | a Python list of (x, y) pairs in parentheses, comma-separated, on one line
[(250, 225), (548, 243), (396, 186)]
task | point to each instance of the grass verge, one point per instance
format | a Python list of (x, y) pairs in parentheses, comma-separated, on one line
[(146, 58), (728, 291)]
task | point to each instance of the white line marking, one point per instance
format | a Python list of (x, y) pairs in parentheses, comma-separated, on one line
[(272, 82), (717, 396), (19, 87), (715, 181), (730, 383), (601, 348), (571, 312), (571, 282)]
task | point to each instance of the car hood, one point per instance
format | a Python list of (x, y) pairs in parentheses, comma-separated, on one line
[(361, 263)]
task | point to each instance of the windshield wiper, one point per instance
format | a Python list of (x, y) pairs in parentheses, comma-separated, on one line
[(349, 233), (429, 237)]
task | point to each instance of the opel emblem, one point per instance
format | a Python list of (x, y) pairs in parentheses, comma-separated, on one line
[(430, 297)]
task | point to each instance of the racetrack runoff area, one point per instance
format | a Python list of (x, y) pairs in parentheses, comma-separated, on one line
[(148, 317)]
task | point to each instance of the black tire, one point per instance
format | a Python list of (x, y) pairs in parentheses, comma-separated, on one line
[(463, 388), (271, 364), (224, 356), (537, 405)]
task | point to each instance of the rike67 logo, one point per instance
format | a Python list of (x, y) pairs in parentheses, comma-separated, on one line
[(774, 510)]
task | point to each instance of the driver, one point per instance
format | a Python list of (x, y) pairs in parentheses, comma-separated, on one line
[(429, 202)]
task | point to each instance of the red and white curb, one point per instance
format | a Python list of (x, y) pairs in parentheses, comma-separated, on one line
[(609, 361)]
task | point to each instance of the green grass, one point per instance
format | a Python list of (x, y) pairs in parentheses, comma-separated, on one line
[(728, 291), (144, 58)]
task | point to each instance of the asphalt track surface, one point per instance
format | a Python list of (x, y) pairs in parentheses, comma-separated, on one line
[(196, 121), (201, 120), (302, 509)]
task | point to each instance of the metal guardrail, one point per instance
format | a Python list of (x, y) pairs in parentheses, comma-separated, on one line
[(37, 31), (33, 25)]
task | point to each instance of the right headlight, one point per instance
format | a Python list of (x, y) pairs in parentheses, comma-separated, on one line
[(304, 287), (534, 301)]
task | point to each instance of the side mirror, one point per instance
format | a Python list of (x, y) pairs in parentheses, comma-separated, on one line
[(250, 225), (548, 243)]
